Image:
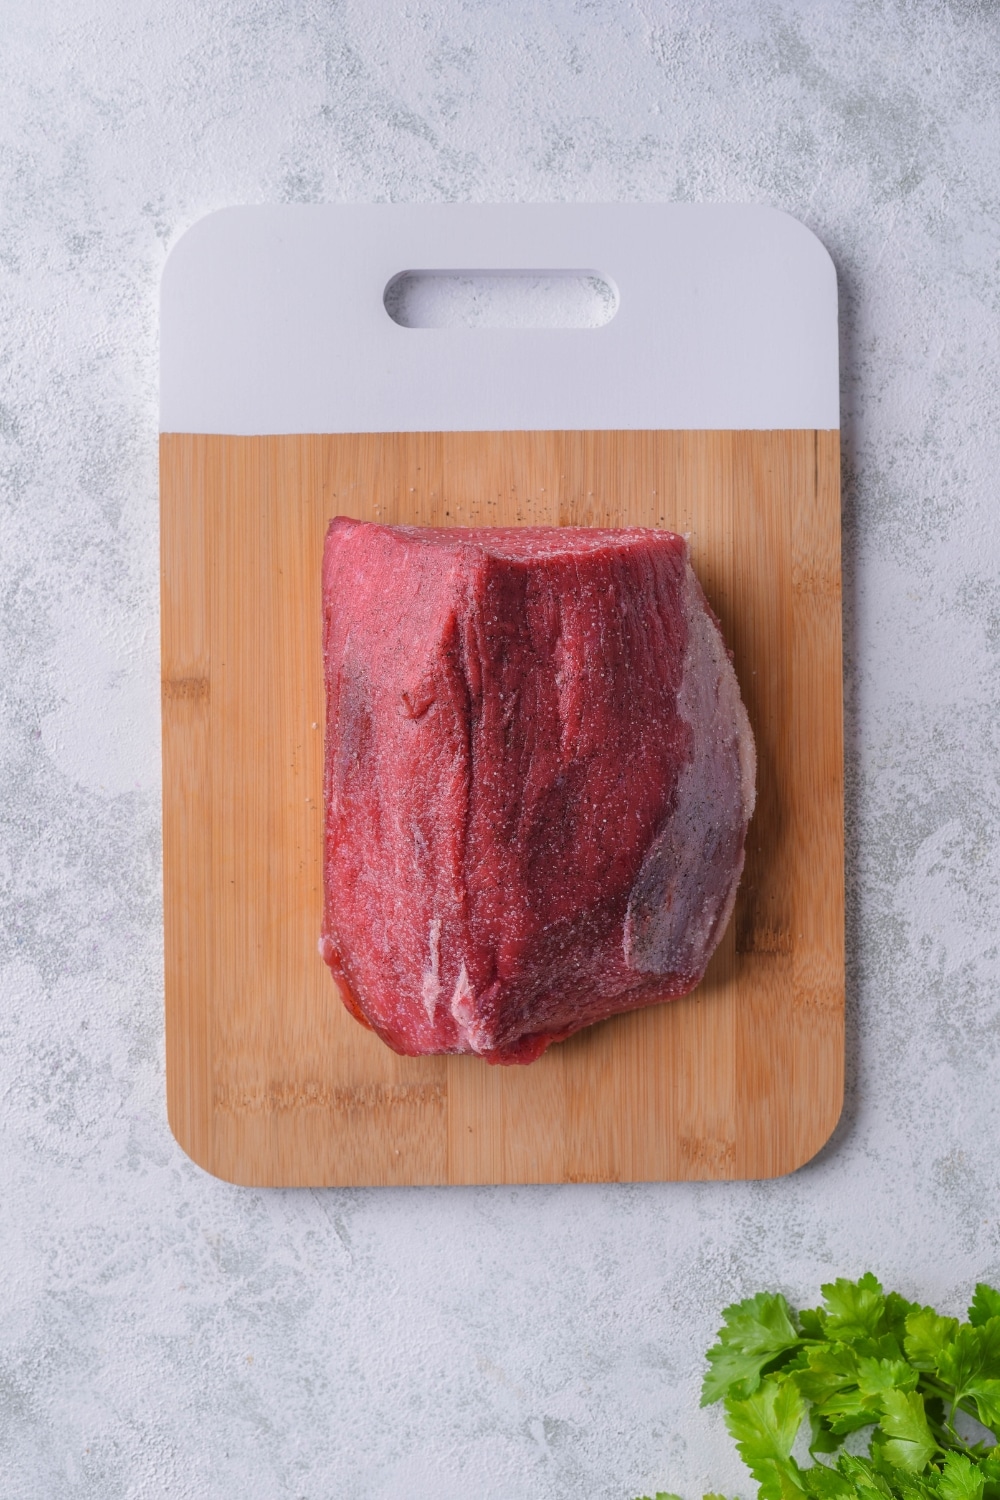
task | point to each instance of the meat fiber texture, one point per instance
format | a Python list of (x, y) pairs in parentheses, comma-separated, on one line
[(539, 774)]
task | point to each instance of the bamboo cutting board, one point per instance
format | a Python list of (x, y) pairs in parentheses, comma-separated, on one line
[(270, 1082)]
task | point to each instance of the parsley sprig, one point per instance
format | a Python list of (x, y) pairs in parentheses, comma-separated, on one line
[(865, 1358)]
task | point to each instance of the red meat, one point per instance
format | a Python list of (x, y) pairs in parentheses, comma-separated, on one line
[(539, 774)]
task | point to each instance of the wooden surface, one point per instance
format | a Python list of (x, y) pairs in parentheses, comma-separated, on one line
[(269, 1080)]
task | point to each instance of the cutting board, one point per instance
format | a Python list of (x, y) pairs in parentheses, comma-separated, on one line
[(707, 404)]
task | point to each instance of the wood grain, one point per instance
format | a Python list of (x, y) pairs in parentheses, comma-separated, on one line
[(269, 1081)]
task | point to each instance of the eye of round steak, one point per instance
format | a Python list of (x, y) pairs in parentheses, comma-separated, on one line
[(539, 774)]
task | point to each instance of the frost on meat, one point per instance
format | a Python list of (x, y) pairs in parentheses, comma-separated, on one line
[(539, 774)]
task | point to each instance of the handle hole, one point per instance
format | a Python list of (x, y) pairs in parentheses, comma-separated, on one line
[(500, 299)]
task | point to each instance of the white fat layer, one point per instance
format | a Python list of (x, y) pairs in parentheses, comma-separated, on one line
[(463, 1008), (430, 988), (463, 999), (684, 894)]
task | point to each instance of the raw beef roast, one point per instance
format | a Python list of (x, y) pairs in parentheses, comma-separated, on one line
[(539, 774)]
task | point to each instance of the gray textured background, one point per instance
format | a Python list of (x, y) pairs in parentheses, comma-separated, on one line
[(166, 1335)]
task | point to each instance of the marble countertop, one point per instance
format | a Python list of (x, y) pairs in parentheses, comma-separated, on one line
[(164, 1334)]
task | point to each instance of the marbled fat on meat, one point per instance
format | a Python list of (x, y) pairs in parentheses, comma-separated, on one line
[(539, 774)]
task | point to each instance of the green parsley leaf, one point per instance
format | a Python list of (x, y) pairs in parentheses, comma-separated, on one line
[(961, 1479), (854, 1309), (875, 1376), (811, 1322), (971, 1363), (905, 1439), (927, 1336), (865, 1478), (985, 1394), (827, 1484), (989, 1467), (897, 1310), (755, 1332), (765, 1426), (985, 1305), (827, 1370)]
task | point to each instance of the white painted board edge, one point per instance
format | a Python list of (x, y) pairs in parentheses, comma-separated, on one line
[(272, 321)]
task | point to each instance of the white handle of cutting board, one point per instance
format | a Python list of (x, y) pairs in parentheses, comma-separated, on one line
[(272, 321)]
